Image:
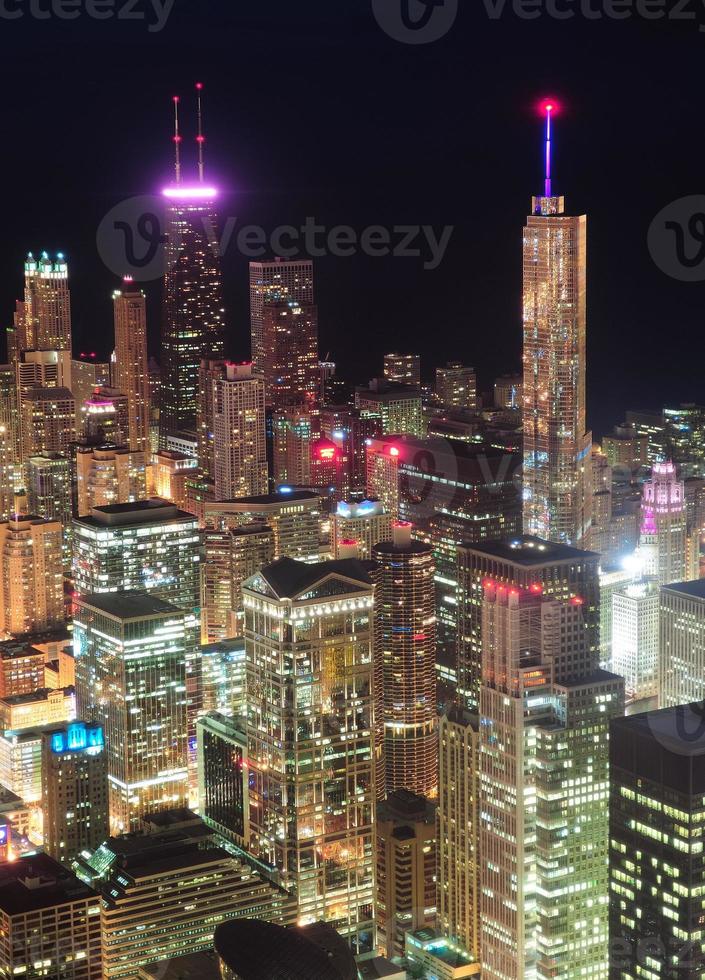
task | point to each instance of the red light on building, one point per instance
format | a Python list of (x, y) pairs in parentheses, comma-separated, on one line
[(393, 451), (577, 601), (536, 588), (326, 452)]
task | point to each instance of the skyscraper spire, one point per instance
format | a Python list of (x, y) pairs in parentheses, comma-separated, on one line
[(177, 140), (548, 108), (200, 139)]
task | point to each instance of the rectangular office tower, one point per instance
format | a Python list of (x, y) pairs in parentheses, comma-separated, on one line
[(130, 372), (545, 708), (131, 652), (557, 445), (308, 641), (657, 862), (681, 673), (276, 279), (523, 562)]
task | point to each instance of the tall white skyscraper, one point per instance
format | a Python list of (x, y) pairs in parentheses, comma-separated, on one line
[(557, 445)]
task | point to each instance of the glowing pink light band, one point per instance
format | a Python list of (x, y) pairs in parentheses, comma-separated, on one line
[(189, 193)]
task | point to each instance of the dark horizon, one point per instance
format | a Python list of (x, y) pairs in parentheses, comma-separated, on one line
[(317, 112)]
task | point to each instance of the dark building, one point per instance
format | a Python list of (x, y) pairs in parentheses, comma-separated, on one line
[(657, 861), (222, 749), (250, 949)]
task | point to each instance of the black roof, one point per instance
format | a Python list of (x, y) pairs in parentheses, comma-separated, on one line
[(527, 550), (39, 882), (695, 589), (289, 577), (256, 950), (130, 605)]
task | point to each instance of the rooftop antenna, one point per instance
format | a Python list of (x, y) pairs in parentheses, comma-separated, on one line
[(200, 139), (177, 140), (549, 107)]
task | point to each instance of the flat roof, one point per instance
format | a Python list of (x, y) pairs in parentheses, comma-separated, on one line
[(129, 605), (139, 512), (695, 589), (39, 882), (679, 729), (527, 550), (263, 499)]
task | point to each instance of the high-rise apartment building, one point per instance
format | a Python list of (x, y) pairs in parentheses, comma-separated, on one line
[(48, 417), (131, 651), (87, 374), (108, 475), (657, 810), (310, 740), (230, 556), (45, 322), (681, 673), (270, 281), (458, 874), (193, 315), (290, 351), (74, 790), (50, 922), (130, 371), (105, 417), (406, 717), (31, 575), (239, 433), (545, 708), (635, 638), (293, 515), (49, 486), (456, 385), (557, 444), (171, 472), (522, 561), (293, 432), (406, 869), (398, 407), (402, 368)]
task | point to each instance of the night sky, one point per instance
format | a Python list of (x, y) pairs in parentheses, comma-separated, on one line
[(312, 110)]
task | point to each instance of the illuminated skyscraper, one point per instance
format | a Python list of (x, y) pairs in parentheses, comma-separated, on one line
[(193, 315), (406, 718), (48, 421), (74, 790), (557, 444), (31, 575), (49, 487), (239, 433), (456, 385), (290, 351), (131, 651), (308, 633), (130, 374), (229, 557), (46, 312), (403, 368), (545, 709), (663, 545), (105, 416), (681, 646), (273, 280), (292, 427), (366, 523), (635, 638), (293, 515), (108, 475)]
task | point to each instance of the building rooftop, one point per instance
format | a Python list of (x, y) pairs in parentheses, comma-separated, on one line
[(527, 550), (680, 729), (41, 694), (47, 395), (129, 605), (696, 589), (256, 950), (192, 966), (264, 500), (139, 512), (39, 882), (289, 578)]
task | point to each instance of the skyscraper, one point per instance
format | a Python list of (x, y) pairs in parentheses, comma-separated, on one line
[(663, 544), (293, 515), (49, 486), (545, 708), (635, 638), (193, 315), (310, 738), (45, 321), (681, 669), (657, 810), (524, 562), (405, 665), (130, 373), (230, 556), (456, 385), (74, 790), (31, 575), (557, 444), (290, 351), (131, 651), (48, 421), (272, 280), (108, 475), (402, 368), (239, 433)]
